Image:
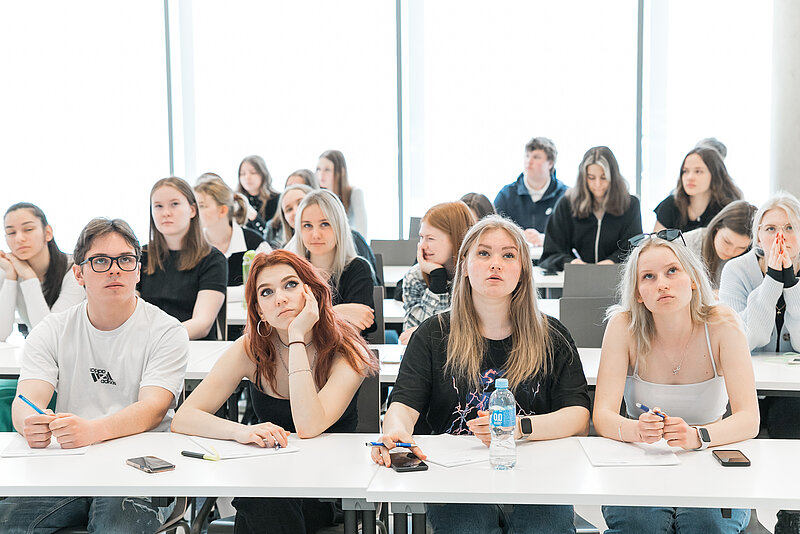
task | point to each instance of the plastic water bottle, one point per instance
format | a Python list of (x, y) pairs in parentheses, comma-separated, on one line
[(503, 421), (247, 259)]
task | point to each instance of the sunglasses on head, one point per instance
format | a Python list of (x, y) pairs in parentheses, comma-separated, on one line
[(668, 234)]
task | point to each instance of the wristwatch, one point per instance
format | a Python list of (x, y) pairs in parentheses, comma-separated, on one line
[(705, 438), (525, 427)]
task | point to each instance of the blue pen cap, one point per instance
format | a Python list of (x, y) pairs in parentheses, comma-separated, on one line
[(501, 383)]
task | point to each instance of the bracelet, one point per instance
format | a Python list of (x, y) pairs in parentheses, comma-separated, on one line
[(619, 431), (299, 371)]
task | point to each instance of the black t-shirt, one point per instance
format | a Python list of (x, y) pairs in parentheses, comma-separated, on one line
[(355, 286), (668, 215), (447, 403), (175, 292), (279, 412)]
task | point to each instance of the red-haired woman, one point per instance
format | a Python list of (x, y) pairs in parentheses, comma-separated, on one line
[(305, 365)]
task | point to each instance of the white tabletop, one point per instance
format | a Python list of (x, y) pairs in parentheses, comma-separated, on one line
[(547, 282), (558, 472), (393, 273), (331, 465)]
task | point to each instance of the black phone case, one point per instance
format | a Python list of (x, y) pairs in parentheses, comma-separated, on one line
[(421, 466), (732, 464)]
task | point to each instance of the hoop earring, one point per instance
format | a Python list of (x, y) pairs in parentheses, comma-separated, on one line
[(258, 331)]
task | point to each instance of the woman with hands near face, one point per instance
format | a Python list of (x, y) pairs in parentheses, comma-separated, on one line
[(305, 366), (671, 346), (427, 285), (762, 287), (493, 330)]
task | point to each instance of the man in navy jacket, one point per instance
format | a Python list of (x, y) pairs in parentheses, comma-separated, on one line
[(530, 200)]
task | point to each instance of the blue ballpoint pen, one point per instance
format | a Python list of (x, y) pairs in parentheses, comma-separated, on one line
[(32, 405), (379, 444), (648, 410)]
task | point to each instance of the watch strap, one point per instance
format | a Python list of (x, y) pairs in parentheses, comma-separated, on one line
[(702, 435)]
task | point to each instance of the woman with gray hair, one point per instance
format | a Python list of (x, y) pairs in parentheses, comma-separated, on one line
[(671, 346), (323, 237)]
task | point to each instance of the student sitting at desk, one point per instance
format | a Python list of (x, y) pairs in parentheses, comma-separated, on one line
[(37, 276), (727, 236), (277, 234), (449, 368), (426, 285), (183, 275), (670, 346), (222, 212), (325, 240), (595, 218), (332, 175), (37, 280), (305, 366), (704, 188), (762, 286), (117, 363), (255, 183)]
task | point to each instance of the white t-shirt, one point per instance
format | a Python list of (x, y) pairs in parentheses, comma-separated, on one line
[(98, 373)]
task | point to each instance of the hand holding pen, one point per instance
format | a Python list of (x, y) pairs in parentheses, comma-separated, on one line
[(380, 449), (651, 424), (36, 427)]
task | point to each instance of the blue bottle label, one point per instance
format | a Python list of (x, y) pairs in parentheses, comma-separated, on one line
[(503, 417)]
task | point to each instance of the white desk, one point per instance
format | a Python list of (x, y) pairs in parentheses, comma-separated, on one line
[(558, 472), (393, 273), (102, 470), (553, 281)]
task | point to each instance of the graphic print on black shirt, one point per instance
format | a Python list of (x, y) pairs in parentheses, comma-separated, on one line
[(475, 400)]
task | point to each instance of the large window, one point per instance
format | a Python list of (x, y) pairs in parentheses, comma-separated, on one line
[(481, 79), (708, 72), (83, 113), (289, 80)]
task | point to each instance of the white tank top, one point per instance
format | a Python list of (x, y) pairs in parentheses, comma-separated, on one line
[(697, 404)]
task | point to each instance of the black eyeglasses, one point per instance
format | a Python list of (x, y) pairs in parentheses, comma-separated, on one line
[(669, 234), (101, 264)]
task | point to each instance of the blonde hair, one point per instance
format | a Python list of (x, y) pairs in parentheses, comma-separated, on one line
[(702, 306), (215, 187), (333, 210), (531, 353)]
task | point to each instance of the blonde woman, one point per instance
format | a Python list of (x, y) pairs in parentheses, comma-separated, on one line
[(670, 346), (323, 237), (449, 368), (762, 286)]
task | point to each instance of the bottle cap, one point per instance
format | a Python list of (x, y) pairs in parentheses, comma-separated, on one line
[(501, 383)]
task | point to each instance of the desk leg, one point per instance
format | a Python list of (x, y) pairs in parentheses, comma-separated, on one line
[(350, 521), (401, 511), (351, 507)]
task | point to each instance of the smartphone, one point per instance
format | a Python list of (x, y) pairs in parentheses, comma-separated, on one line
[(403, 462), (731, 458), (150, 464)]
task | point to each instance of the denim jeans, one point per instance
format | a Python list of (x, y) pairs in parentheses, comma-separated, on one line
[(43, 515), (494, 519), (656, 520)]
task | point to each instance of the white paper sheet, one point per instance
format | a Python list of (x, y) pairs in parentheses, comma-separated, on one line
[(228, 449), (18, 448), (604, 452), (451, 451)]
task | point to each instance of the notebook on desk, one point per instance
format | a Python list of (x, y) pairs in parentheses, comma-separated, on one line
[(229, 450), (447, 450), (604, 452), (19, 448)]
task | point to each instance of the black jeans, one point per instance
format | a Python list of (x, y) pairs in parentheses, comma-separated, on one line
[(260, 515)]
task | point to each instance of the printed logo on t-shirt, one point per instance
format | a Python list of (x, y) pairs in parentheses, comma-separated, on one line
[(102, 376)]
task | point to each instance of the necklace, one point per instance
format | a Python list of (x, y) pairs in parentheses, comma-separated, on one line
[(680, 362)]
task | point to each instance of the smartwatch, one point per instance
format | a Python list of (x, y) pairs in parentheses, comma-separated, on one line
[(525, 427), (705, 438)]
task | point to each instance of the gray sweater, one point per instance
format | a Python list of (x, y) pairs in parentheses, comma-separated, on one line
[(754, 296)]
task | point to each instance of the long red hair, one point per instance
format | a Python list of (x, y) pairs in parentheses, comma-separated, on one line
[(332, 336)]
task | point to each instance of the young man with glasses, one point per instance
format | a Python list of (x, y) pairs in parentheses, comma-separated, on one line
[(118, 366)]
